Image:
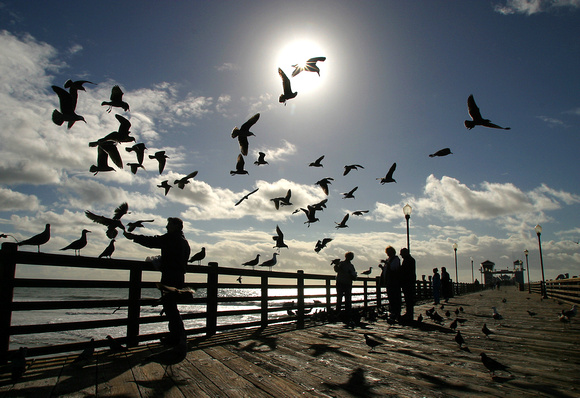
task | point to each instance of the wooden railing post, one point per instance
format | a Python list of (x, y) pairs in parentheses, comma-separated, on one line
[(366, 299), (212, 298), (264, 301), (328, 296), (7, 272), (378, 290), (300, 300), (134, 307)]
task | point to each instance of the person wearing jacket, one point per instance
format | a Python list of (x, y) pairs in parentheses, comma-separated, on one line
[(345, 274)]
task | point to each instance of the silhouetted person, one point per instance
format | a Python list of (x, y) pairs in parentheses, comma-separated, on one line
[(436, 283), (390, 277), (446, 285), (345, 274), (174, 255), (408, 282)]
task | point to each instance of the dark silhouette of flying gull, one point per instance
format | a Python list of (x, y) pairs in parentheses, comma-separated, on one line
[(320, 206), (260, 160), (185, 180), (103, 158), (279, 239), (37, 240), (244, 132), (359, 212), (239, 166), (67, 108), (165, 185), (350, 167), (136, 224), (135, 166), (288, 94), (321, 244), (269, 263), (74, 87), (246, 196), (254, 262), (324, 184), (108, 250), (200, 255), (78, 244), (283, 200), (310, 212), (121, 135), (317, 163), (342, 224), (139, 150), (477, 120), (441, 152), (161, 158), (389, 176), (111, 223), (310, 66), (116, 100), (349, 194)]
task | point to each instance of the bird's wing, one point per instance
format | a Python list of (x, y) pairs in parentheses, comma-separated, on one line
[(315, 60), (473, 109), (111, 149), (285, 82), (191, 175), (98, 219), (391, 170), (240, 162), (125, 124), (243, 140), (121, 210), (65, 99), (116, 94), (250, 122), (279, 232)]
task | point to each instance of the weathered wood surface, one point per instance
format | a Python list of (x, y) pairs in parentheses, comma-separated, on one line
[(543, 355)]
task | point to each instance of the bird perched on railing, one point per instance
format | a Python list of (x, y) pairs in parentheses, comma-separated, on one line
[(108, 250), (87, 353), (269, 263), (254, 262), (198, 256), (37, 240), (244, 132), (116, 99), (78, 244)]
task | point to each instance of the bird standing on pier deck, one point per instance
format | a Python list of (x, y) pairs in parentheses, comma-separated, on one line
[(78, 244), (486, 331), (371, 342), (86, 355), (492, 365), (114, 345), (496, 315), (37, 240), (571, 312)]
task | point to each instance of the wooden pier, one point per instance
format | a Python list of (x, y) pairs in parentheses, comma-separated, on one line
[(329, 360)]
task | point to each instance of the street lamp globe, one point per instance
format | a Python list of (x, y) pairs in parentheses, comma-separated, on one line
[(407, 210), (538, 229)]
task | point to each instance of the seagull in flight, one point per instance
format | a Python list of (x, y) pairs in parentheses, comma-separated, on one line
[(165, 185), (349, 194), (116, 100), (288, 94), (342, 224), (317, 163), (310, 66), (283, 200), (121, 135), (321, 244), (239, 166), (359, 212), (350, 167), (310, 212), (279, 238), (139, 150), (161, 158), (135, 166), (368, 271), (261, 156), (477, 120), (244, 132), (106, 150), (185, 180), (324, 184), (246, 196), (37, 240), (389, 176), (67, 108), (74, 87), (441, 152), (136, 224)]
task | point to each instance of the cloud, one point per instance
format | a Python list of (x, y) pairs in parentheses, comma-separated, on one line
[(16, 201), (227, 66), (552, 122), (530, 7), (277, 154)]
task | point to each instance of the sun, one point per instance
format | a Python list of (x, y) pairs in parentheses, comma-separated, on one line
[(297, 53)]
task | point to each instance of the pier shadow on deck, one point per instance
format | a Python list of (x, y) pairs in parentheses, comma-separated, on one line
[(543, 355)]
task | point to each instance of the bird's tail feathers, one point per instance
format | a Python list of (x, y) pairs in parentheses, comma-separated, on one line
[(57, 118)]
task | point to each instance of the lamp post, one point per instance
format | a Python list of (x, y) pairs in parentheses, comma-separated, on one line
[(407, 212), (538, 230), (456, 281), (526, 252), (472, 278)]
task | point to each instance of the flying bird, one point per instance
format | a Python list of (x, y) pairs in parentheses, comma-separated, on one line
[(74, 87), (389, 176), (317, 163), (492, 365), (165, 185), (477, 120), (135, 166), (359, 212), (246, 196), (136, 224), (441, 152), (67, 108), (119, 136), (321, 244), (244, 132), (108, 250), (260, 160), (309, 66), (111, 223), (161, 158), (139, 150), (279, 238), (310, 212), (350, 167), (283, 200), (320, 206), (288, 94), (349, 194), (78, 244), (368, 271), (324, 184), (239, 166), (37, 240), (252, 263), (269, 263), (185, 180), (107, 150), (198, 256), (342, 224), (116, 100)]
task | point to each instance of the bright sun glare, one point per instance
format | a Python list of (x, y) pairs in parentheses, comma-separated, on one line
[(298, 52)]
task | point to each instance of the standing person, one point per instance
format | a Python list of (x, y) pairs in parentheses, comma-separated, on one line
[(390, 277), (174, 254), (446, 286), (345, 274), (408, 282), (436, 286)]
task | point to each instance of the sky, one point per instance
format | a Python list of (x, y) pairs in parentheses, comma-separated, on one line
[(393, 89)]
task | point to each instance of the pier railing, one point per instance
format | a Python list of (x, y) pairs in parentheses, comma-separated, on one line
[(311, 293), (567, 290)]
